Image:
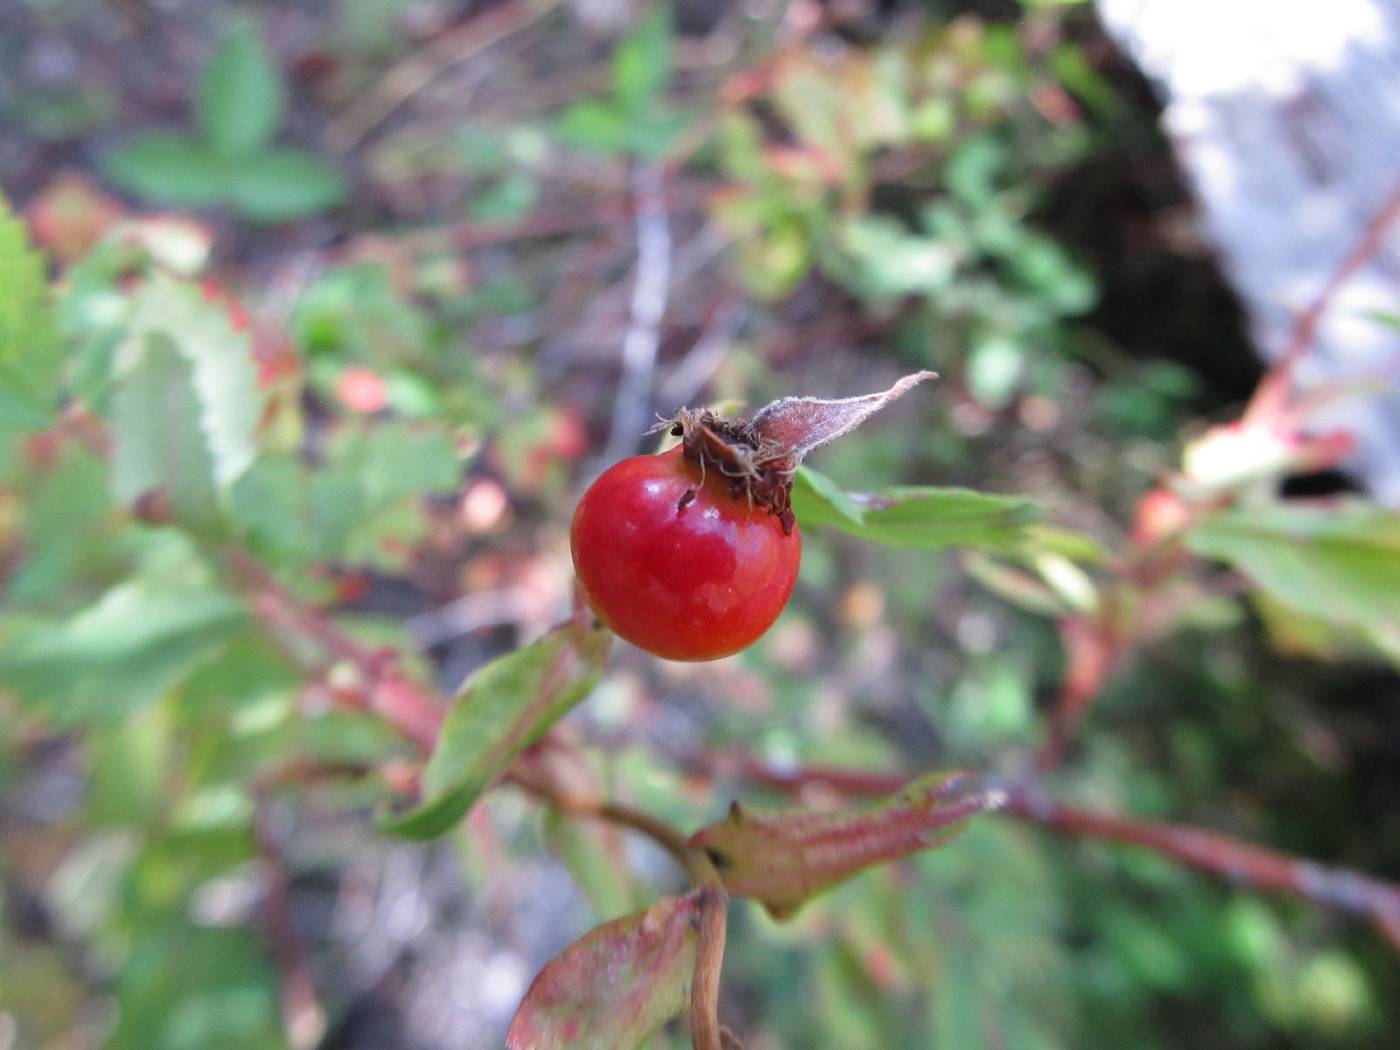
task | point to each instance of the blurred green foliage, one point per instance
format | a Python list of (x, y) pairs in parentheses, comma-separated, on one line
[(232, 158)]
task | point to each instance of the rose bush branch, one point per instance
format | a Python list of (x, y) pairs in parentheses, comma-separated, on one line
[(1242, 863)]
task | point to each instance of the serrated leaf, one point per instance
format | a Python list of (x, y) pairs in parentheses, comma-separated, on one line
[(784, 857), (501, 710), (920, 518), (1339, 561), (125, 651), (642, 62), (241, 95), (285, 184), (171, 169), (186, 402), (616, 985), (30, 352)]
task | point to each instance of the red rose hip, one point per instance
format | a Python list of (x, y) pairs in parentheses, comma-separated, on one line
[(685, 569)]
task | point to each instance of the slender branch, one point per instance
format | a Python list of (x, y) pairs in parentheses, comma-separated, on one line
[(694, 863), (705, 1030), (1242, 863)]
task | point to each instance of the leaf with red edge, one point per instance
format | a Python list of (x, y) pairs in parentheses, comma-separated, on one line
[(801, 424), (784, 857), (614, 986)]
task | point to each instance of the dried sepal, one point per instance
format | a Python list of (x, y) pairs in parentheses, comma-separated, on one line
[(757, 458)]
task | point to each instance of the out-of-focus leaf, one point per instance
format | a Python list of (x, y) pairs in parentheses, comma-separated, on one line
[(784, 857), (120, 654), (594, 125), (188, 988), (595, 856), (241, 95), (285, 184), (501, 710), (186, 403), (885, 259), (30, 354), (614, 986), (394, 460), (642, 62), (1339, 561), (923, 518), (171, 169)]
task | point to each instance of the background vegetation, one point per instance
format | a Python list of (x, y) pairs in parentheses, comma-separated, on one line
[(339, 307)]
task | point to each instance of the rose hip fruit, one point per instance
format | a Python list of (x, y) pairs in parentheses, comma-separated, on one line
[(683, 567)]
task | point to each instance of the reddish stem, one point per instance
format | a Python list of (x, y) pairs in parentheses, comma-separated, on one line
[(1242, 863)]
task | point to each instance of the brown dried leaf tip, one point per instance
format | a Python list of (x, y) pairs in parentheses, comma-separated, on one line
[(758, 457)]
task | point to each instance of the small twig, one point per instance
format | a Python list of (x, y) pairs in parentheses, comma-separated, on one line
[(303, 1018), (648, 305), (705, 1030), (694, 863), (414, 73), (1245, 864)]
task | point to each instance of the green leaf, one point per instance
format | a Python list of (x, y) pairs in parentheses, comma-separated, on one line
[(784, 857), (171, 169), (921, 518), (241, 95), (642, 62), (285, 184), (501, 710), (1339, 561), (395, 460), (596, 857), (186, 403), (122, 653), (594, 125), (30, 353), (616, 985)]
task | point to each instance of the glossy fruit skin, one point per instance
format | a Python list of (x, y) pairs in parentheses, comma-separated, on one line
[(685, 579)]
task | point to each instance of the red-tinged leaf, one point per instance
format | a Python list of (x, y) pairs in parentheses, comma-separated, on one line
[(616, 985), (801, 424), (781, 858)]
